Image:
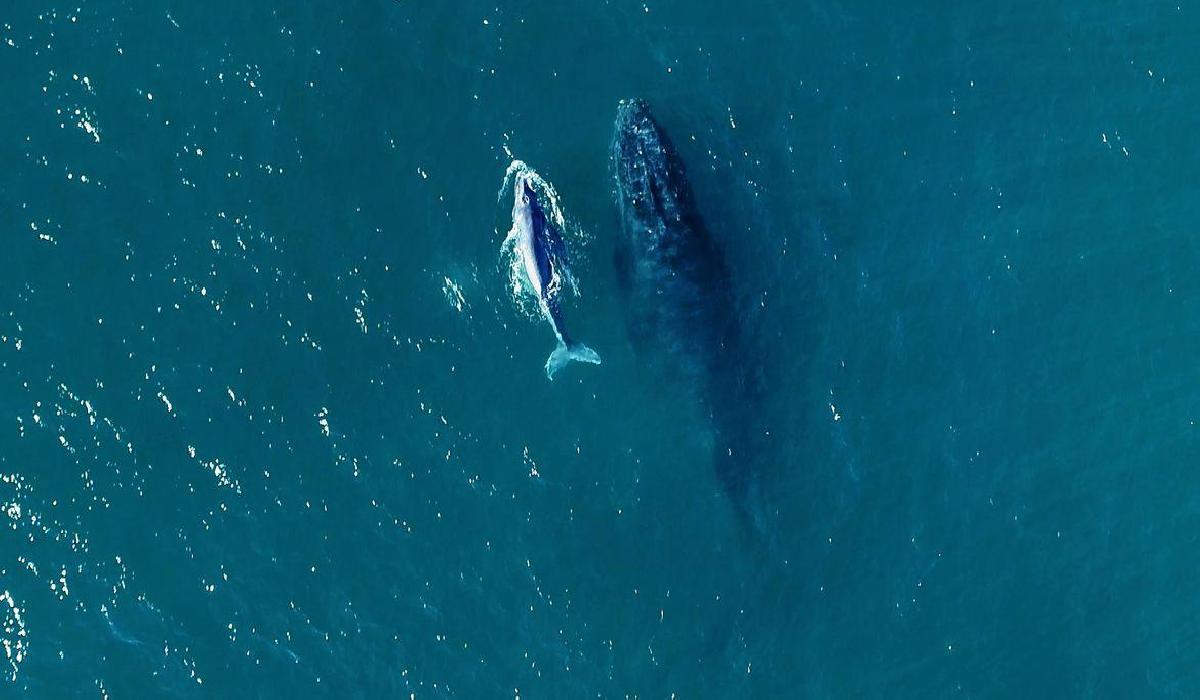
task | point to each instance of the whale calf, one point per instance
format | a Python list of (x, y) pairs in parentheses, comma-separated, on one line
[(679, 296), (541, 250)]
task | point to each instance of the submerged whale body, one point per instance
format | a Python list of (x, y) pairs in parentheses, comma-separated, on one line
[(541, 251), (667, 259), (680, 299)]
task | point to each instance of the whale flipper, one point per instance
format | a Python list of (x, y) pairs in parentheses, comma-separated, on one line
[(564, 354)]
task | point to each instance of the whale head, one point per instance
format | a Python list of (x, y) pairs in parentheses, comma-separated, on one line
[(525, 202), (528, 215), (649, 174), (635, 131), (523, 194)]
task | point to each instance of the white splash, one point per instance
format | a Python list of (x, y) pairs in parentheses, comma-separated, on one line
[(219, 470), (166, 402), (453, 293), (13, 636)]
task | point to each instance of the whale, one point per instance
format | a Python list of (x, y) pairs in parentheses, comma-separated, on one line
[(679, 297), (540, 248), (667, 258)]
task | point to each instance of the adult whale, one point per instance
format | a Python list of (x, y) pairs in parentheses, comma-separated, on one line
[(680, 296), (541, 250)]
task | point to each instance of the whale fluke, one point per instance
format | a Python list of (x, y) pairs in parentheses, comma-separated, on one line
[(564, 354)]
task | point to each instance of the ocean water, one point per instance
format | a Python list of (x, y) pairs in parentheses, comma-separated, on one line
[(273, 425)]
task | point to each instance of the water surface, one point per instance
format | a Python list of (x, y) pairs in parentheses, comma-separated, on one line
[(271, 424)]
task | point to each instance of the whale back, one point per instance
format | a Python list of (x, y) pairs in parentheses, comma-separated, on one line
[(540, 243)]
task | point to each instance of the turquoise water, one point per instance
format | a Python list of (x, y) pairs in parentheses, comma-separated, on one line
[(272, 424)]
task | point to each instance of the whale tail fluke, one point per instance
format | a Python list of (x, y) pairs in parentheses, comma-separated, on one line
[(565, 353)]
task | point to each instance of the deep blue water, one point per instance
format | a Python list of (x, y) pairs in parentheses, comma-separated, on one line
[(273, 425)]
